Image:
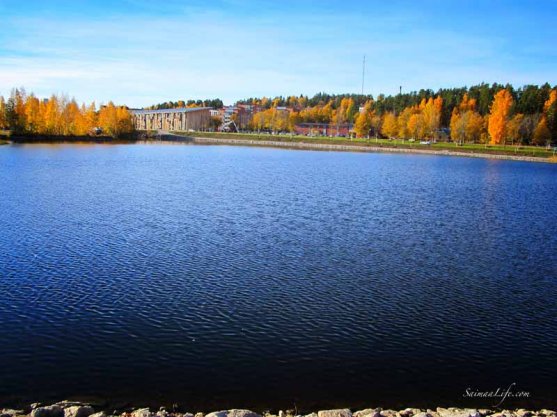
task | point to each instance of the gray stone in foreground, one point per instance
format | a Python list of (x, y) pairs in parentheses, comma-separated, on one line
[(218, 414), (368, 412), (233, 413), (78, 411), (8, 412), (457, 412), (242, 413), (48, 411), (142, 412), (342, 412), (99, 414)]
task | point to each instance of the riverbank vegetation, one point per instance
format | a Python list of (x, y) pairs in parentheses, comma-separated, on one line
[(482, 114), (58, 116), (495, 115)]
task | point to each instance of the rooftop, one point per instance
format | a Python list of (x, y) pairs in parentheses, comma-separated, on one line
[(178, 110)]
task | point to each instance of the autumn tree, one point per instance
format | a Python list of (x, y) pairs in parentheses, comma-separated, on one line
[(431, 116), (466, 124), (403, 123), (550, 112), (58, 115), (116, 121), (33, 116), (364, 120), (542, 134), (498, 116), (416, 125), (51, 116), (3, 119), (389, 127), (346, 111), (513, 131)]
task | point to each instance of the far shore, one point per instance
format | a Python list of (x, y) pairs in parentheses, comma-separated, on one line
[(307, 143), (344, 145)]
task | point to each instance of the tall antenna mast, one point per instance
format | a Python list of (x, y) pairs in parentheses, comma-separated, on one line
[(363, 74)]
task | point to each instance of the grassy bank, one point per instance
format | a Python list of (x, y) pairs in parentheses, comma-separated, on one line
[(527, 151)]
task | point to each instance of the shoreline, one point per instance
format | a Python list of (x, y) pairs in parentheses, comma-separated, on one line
[(284, 144), (351, 148), (79, 409)]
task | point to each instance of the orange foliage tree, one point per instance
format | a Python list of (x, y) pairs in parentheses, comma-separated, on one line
[(115, 120), (57, 115), (466, 124), (499, 116), (364, 121), (389, 127)]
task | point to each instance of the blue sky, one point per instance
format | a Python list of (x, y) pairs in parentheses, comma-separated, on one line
[(140, 52)]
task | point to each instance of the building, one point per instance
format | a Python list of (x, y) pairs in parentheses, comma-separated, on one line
[(189, 118), (244, 114), (323, 129)]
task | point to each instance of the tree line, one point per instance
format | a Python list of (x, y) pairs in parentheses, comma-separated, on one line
[(215, 103), (58, 115), (493, 114)]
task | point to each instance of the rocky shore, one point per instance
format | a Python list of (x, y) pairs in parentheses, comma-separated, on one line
[(74, 409)]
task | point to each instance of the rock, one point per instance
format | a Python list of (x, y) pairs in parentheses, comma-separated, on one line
[(311, 415), (368, 412), (233, 413), (199, 414), (457, 412), (48, 411), (67, 403), (548, 413), (78, 411), (8, 412), (188, 415), (99, 414), (142, 412), (242, 413), (524, 413), (343, 412), (409, 412), (281, 414)]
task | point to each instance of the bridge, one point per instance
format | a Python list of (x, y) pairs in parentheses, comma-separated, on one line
[(185, 119)]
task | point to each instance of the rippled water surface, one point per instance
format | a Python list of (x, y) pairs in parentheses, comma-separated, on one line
[(214, 276)]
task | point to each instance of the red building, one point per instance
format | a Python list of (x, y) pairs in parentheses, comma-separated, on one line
[(323, 129)]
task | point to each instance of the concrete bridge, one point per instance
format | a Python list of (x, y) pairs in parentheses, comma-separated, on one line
[(185, 119)]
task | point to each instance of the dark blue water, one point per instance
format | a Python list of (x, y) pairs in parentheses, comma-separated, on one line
[(263, 278)]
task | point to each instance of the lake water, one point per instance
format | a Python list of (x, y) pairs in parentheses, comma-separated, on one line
[(216, 276)]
